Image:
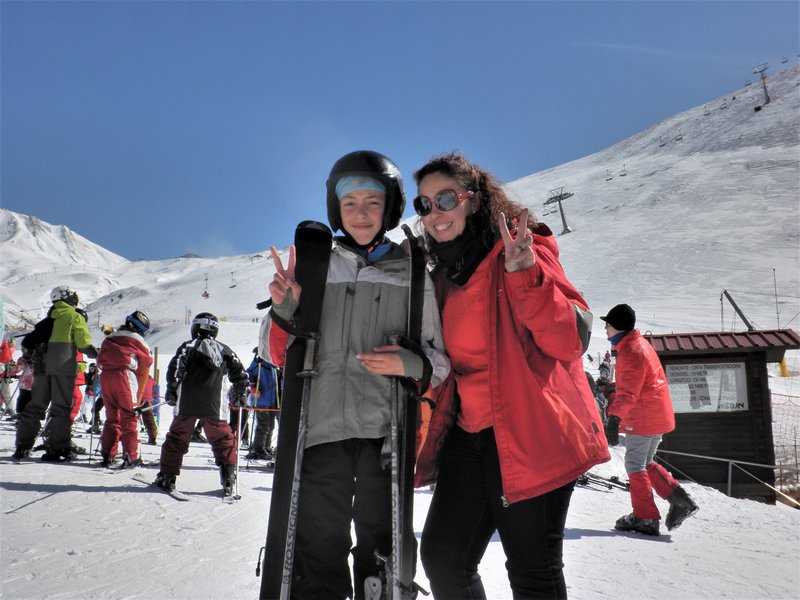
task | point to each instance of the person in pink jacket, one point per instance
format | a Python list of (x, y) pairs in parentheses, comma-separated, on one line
[(124, 361), (643, 409), (515, 424)]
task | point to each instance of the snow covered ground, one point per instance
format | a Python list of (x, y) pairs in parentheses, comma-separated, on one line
[(77, 531), (716, 209)]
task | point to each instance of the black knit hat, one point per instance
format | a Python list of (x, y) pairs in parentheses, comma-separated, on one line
[(621, 317)]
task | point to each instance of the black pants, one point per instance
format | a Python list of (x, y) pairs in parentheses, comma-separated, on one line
[(342, 482), (466, 510)]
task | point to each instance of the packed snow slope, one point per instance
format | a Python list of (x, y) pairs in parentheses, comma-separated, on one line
[(708, 202)]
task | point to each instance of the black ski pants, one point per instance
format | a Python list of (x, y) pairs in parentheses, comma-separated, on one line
[(342, 482), (55, 392), (467, 509)]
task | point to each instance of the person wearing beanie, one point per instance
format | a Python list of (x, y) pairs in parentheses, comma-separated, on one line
[(642, 408), (344, 481)]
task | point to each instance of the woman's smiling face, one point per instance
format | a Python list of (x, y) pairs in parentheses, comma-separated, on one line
[(444, 226)]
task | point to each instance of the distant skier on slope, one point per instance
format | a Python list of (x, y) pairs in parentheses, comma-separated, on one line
[(643, 408), (344, 469), (194, 387)]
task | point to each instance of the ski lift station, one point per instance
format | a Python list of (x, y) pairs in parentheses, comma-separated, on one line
[(723, 412)]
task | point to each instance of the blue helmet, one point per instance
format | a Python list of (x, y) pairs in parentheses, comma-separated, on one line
[(138, 322)]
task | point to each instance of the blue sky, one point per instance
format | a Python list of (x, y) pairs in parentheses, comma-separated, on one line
[(157, 129)]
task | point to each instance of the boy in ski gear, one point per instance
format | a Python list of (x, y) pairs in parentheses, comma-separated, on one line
[(345, 474), (643, 408), (263, 378), (194, 387), (516, 424), (147, 416), (54, 341), (124, 363)]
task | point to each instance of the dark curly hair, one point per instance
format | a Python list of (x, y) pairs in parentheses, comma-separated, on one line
[(472, 177)]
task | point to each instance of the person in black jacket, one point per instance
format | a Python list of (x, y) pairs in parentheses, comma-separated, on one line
[(194, 387)]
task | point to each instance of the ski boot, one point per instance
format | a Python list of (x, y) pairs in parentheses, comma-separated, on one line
[(127, 463), (227, 477), (51, 455), (107, 460), (21, 453), (681, 507), (258, 454), (165, 482), (633, 523), (75, 449)]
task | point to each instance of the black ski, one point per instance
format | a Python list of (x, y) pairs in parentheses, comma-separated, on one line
[(398, 577), (612, 481), (313, 247)]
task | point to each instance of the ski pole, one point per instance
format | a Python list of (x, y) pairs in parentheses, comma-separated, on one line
[(138, 410), (238, 443)]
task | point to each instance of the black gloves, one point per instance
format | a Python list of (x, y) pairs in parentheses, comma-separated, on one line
[(240, 400), (171, 397), (90, 352), (612, 430)]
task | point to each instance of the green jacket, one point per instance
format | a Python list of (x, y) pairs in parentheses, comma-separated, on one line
[(70, 331)]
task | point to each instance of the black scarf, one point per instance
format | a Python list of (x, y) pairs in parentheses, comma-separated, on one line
[(460, 257)]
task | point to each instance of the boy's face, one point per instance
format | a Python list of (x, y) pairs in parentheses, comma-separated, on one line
[(362, 214)]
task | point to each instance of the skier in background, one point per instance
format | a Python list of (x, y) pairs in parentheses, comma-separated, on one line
[(194, 387), (345, 474), (54, 341), (124, 363), (263, 388), (148, 418), (643, 408)]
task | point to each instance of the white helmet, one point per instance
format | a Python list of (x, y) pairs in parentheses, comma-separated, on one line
[(65, 293)]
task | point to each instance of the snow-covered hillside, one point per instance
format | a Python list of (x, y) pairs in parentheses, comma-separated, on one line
[(717, 209)]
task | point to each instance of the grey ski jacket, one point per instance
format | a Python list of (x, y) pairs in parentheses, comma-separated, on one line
[(363, 303)]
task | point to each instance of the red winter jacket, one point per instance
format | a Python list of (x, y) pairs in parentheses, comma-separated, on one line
[(642, 399), (545, 419)]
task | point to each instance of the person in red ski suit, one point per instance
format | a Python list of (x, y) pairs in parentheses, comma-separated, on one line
[(124, 361), (643, 408), (516, 424)]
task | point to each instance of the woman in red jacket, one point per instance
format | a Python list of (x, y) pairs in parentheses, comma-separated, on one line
[(516, 423), (644, 408)]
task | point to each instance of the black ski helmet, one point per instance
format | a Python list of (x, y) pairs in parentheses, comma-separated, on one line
[(370, 164), (138, 322), (205, 325)]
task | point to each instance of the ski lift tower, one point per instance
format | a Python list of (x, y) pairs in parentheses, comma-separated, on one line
[(760, 70), (558, 195)]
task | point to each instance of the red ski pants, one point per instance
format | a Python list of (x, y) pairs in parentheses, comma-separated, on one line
[(176, 445), (119, 394)]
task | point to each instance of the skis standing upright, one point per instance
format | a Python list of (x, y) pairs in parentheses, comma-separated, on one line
[(399, 566), (313, 248)]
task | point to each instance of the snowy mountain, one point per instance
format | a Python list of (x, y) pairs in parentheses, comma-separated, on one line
[(717, 206), (707, 202)]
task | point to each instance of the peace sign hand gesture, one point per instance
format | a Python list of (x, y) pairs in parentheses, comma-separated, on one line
[(518, 252), (283, 284)]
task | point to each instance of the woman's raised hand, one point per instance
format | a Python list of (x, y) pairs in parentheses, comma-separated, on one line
[(283, 281), (519, 254)]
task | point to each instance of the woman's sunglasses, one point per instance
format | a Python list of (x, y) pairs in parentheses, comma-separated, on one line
[(445, 200)]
